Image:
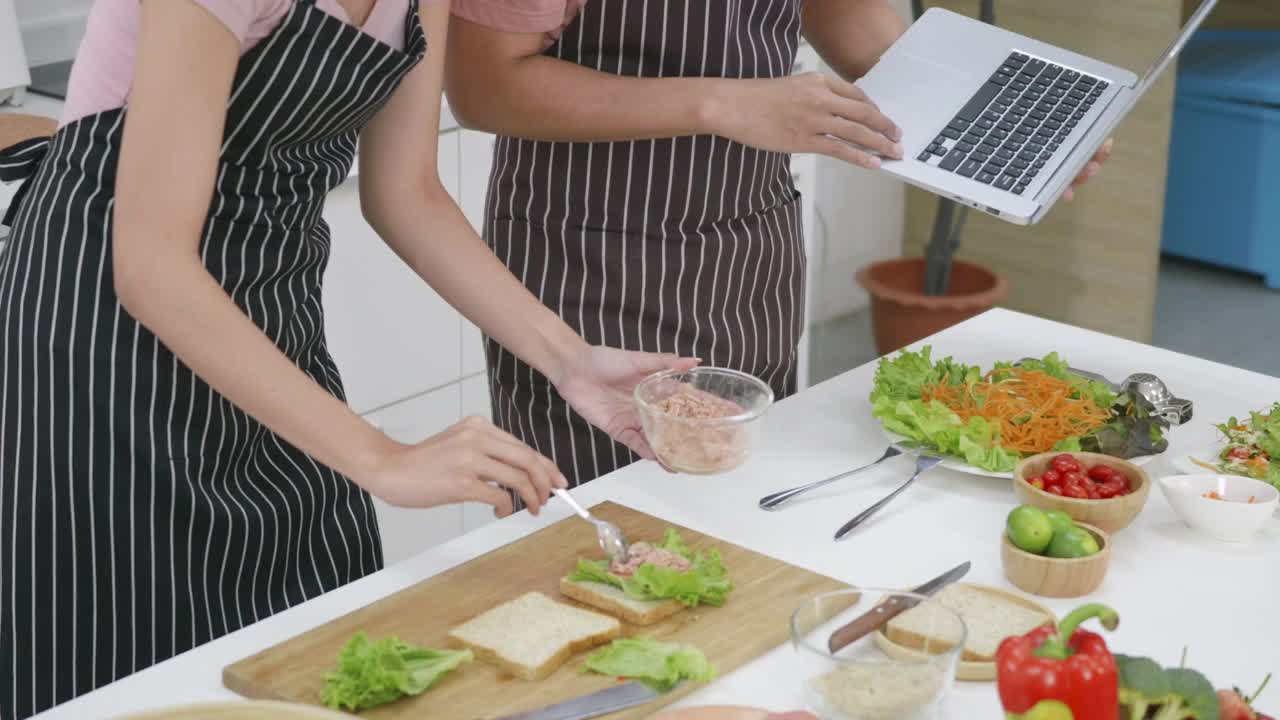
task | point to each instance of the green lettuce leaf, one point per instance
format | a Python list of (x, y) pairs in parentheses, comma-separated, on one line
[(371, 674), (902, 376), (659, 665), (1071, 444), (706, 583), (1268, 428), (935, 426), (596, 571)]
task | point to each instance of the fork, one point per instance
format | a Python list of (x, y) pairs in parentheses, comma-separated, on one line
[(923, 463), (778, 499), (612, 541)]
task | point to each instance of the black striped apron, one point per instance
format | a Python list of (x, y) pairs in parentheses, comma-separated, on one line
[(141, 513), (690, 245)]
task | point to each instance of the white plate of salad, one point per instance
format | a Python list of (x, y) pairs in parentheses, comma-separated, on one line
[(983, 422), (1249, 446)]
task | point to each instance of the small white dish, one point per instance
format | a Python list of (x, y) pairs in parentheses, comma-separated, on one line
[(1232, 519), (1203, 460)]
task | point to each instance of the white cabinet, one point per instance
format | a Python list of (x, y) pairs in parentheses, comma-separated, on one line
[(475, 401), (475, 161), (408, 531), (804, 173), (390, 333), (408, 359)]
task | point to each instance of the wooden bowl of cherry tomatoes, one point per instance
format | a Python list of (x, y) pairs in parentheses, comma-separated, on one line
[(1099, 490)]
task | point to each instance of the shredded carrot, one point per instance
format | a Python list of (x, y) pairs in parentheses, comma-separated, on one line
[(1034, 411)]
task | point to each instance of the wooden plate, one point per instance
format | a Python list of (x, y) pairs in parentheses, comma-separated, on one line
[(968, 670), (239, 710)]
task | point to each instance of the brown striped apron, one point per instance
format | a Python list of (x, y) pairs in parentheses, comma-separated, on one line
[(690, 245)]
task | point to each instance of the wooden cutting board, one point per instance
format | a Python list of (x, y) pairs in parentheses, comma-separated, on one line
[(754, 620)]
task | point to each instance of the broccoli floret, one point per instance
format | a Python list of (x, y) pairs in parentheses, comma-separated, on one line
[(1149, 692), (1143, 685), (1196, 692)]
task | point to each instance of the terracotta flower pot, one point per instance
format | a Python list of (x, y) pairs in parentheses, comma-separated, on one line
[(902, 314)]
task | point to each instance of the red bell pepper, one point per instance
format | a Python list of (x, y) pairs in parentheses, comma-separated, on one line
[(1061, 664)]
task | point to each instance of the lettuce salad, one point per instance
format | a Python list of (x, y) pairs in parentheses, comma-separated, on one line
[(896, 400), (1253, 446)]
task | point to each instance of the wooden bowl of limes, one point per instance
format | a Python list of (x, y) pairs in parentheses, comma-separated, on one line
[(1071, 562)]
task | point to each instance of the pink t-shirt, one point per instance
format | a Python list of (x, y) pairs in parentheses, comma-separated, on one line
[(103, 70), (524, 16)]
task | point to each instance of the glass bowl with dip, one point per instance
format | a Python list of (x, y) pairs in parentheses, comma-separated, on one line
[(861, 682), (702, 421)]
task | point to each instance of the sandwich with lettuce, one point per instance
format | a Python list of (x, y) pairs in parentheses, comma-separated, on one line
[(656, 581)]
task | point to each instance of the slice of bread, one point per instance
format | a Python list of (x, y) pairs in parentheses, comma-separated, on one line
[(533, 635), (989, 619), (616, 602)]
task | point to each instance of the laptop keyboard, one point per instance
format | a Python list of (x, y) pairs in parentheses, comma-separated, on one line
[(1012, 127)]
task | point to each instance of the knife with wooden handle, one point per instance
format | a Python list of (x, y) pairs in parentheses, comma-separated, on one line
[(876, 617)]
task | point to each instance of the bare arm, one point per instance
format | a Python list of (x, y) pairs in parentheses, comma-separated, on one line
[(169, 156), (501, 82), (405, 202), (851, 35)]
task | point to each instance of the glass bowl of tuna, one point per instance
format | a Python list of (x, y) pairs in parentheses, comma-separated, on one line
[(702, 421)]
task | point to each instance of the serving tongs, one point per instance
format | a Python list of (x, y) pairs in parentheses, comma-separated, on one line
[(1147, 388)]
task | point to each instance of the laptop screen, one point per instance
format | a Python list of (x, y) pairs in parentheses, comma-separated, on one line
[(1193, 23)]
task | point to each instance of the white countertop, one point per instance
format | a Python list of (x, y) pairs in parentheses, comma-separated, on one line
[(1171, 588)]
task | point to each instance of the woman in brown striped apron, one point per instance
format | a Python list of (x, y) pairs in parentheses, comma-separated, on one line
[(641, 185)]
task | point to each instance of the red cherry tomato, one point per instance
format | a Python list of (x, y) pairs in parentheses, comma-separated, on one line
[(1116, 486), (1073, 478), (1092, 490), (1100, 473), (1065, 464), (1076, 491), (1107, 490), (1054, 489), (1051, 477)]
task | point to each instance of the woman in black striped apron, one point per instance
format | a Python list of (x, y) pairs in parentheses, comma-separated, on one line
[(174, 447), (641, 183)]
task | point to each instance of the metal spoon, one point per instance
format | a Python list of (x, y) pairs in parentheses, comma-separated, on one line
[(778, 499), (923, 463), (612, 541)]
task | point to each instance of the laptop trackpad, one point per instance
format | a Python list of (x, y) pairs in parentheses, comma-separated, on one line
[(918, 94)]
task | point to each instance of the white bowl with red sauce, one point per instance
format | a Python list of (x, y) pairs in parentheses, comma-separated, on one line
[(703, 421), (1230, 508)]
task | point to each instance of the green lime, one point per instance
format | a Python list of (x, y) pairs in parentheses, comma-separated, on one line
[(1075, 542), (1061, 521), (1029, 528)]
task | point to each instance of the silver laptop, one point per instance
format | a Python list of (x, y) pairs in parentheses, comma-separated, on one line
[(998, 121)]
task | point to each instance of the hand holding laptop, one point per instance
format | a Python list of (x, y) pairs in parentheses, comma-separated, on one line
[(807, 113), (1093, 168)]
